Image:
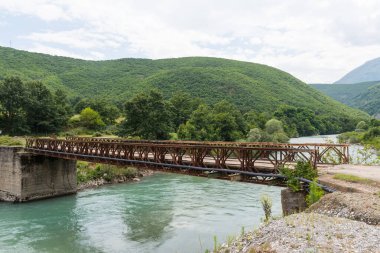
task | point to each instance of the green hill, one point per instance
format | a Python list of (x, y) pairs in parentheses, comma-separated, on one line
[(247, 85), (364, 96)]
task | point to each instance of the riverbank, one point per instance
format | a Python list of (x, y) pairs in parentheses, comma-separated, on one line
[(92, 175), (339, 222), (345, 221)]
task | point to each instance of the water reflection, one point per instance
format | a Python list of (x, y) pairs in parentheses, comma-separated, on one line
[(148, 219)]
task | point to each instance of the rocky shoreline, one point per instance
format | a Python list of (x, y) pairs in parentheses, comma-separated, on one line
[(117, 180), (339, 222)]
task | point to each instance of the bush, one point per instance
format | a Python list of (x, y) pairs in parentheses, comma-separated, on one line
[(90, 171), (302, 170), (11, 141), (266, 202), (130, 172), (361, 126), (315, 193)]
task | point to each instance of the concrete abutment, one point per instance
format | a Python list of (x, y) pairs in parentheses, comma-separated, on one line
[(26, 176)]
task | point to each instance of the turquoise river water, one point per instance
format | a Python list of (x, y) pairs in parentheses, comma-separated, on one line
[(161, 213)]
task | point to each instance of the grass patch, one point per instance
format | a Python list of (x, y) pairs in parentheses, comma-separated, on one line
[(352, 178), (11, 141), (91, 171)]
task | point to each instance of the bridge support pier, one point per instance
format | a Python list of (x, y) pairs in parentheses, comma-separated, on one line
[(25, 176), (293, 202)]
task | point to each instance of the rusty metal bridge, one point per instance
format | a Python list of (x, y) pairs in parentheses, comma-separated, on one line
[(256, 161), (251, 157)]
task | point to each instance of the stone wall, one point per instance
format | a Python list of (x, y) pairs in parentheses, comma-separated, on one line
[(25, 176)]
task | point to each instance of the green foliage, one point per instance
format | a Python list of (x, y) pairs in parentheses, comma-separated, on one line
[(301, 170), (315, 193), (91, 119), (273, 133), (273, 126), (304, 122), (364, 96), (222, 122), (361, 126), (266, 203), (247, 85), (148, 116), (352, 178), (12, 101), (11, 141), (369, 137), (108, 111), (31, 107), (90, 171), (182, 106)]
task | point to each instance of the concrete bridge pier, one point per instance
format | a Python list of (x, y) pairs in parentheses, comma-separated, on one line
[(26, 176)]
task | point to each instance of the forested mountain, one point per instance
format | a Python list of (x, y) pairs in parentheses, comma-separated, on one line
[(368, 72), (249, 86), (364, 96)]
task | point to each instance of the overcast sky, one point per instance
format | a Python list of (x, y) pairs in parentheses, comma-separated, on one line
[(316, 41)]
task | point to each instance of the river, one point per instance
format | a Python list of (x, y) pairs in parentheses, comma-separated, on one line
[(162, 213)]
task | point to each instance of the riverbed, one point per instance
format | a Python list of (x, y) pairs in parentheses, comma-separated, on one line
[(161, 213)]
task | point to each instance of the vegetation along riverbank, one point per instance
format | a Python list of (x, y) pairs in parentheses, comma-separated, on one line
[(90, 175)]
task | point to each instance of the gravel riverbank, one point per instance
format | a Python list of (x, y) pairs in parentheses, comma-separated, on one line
[(339, 222), (309, 232)]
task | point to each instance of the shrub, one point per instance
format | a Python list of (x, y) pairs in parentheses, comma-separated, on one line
[(11, 141), (301, 170), (361, 126), (266, 202), (315, 193)]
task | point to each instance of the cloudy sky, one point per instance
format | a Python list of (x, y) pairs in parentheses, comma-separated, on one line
[(315, 40)]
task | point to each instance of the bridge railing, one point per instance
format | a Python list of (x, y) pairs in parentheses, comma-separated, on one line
[(327, 153), (246, 158)]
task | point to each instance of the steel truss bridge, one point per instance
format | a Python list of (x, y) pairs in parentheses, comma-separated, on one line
[(259, 162)]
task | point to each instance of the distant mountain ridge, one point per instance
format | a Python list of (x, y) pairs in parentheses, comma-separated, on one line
[(368, 72), (249, 86)]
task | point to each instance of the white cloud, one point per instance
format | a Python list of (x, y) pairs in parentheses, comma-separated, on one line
[(40, 48), (317, 41), (79, 38)]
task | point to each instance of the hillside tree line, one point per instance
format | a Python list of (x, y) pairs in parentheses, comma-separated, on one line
[(31, 108)]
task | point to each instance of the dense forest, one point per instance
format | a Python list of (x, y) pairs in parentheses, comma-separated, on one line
[(29, 107), (364, 96)]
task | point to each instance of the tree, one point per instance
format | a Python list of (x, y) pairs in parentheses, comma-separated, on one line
[(258, 135), (256, 119), (273, 126), (361, 126), (300, 121), (108, 111), (147, 116), (41, 109), (200, 126), (182, 107), (63, 108), (12, 95), (91, 119), (222, 122)]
